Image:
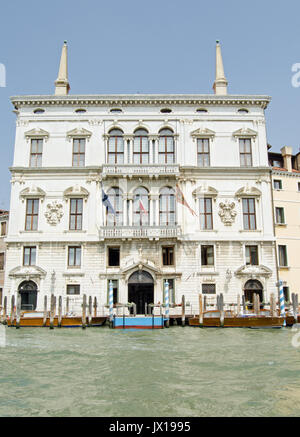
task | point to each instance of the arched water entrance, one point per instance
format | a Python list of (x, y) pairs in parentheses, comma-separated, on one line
[(28, 292), (141, 290), (253, 287)]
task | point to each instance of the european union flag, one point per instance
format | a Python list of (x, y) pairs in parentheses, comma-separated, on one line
[(106, 202)]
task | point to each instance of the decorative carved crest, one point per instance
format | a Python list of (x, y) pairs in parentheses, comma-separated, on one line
[(54, 213), (227, 213)]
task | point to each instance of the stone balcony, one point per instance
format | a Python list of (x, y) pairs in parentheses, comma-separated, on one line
[(138, 170), (135, 232)]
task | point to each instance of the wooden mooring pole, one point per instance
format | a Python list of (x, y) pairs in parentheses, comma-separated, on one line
[(18, 317), (12, 310), (45, 311), (238, 310), (183, 310), (84, 311), (67, 305), (5, 310), (59, 312), (272, 314), (200, 310), (90, 309), (221, 305), (52, 310), (295, 306), (95, 306)]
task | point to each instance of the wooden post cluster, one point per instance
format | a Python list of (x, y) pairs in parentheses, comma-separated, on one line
[(59, 312), (52, 310), (12, 310), (295, 306), (221, 309), (84, 311), (200, 310), (5, 310), (18, 316)]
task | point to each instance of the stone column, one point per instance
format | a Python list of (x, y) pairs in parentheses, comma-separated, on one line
[(124, 209), (130, 198)]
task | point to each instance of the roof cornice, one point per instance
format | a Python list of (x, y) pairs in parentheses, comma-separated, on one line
[(141, 99)]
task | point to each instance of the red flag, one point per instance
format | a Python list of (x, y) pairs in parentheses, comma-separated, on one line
[(142, 208), (180, 198)]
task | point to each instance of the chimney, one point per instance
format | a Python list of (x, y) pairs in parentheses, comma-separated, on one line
[(287, 153)]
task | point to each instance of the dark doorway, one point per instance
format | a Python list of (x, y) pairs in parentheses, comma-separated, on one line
[(253, 287), (141, 290), (28, 292)]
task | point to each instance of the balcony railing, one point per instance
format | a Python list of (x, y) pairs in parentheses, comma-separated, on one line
[(136, 170), (150, 232)]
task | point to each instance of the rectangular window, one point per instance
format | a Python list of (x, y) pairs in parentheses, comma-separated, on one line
[(1, 261), (74, 256), (249, 218), (171, 289), (78, 152), (3, 229), (252, 256), (203, 158), (277, 184), (286, 292), (207, 255), (245, 152), (36, 153), (76, 206), (298, 186), (116, 147), (282, 255), (113, 256), (279, 213), (32, 214), (115, 283), (29, 256), (168, 255), (208, 288), (73, 289), (205, 213)]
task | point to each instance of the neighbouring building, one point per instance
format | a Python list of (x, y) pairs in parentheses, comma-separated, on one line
[(138, 189), (286, 199), (3, 231)]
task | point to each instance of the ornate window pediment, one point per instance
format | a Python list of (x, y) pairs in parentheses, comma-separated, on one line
[(36, 134), (27, 273), (248, 192), (32, 192), (244, 133), (76, 191), (79, 133), (205, 191), (203, 133), (253, 271)]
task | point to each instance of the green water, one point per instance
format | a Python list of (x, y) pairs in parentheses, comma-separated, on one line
[(171, 372)]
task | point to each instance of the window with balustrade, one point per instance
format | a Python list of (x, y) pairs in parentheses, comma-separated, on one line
[(166, 147), (115, 196), (141, 147), (167, 207), (141, 207), (116, 147)]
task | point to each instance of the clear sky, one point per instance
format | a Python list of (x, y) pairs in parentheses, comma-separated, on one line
[(157, 46)]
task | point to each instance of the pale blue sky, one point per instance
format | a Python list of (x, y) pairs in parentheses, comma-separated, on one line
[(166, 46)]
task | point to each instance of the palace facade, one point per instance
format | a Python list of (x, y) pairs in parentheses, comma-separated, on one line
[(139, 189)]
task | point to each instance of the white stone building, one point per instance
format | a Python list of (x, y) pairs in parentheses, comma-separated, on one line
[(138, 149)]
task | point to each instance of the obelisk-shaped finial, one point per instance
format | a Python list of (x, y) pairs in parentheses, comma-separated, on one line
[(220, 84), (62, 85)]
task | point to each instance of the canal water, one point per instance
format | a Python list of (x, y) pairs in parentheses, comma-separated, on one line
[(170, 372)]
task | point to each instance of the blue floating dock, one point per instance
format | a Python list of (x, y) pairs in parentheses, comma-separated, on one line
[(138, 322)]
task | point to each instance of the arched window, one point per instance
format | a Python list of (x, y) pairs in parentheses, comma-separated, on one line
[(166, 147), (167, 212), (141, 147), (141, 207), (116, 200), (116, 147)]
